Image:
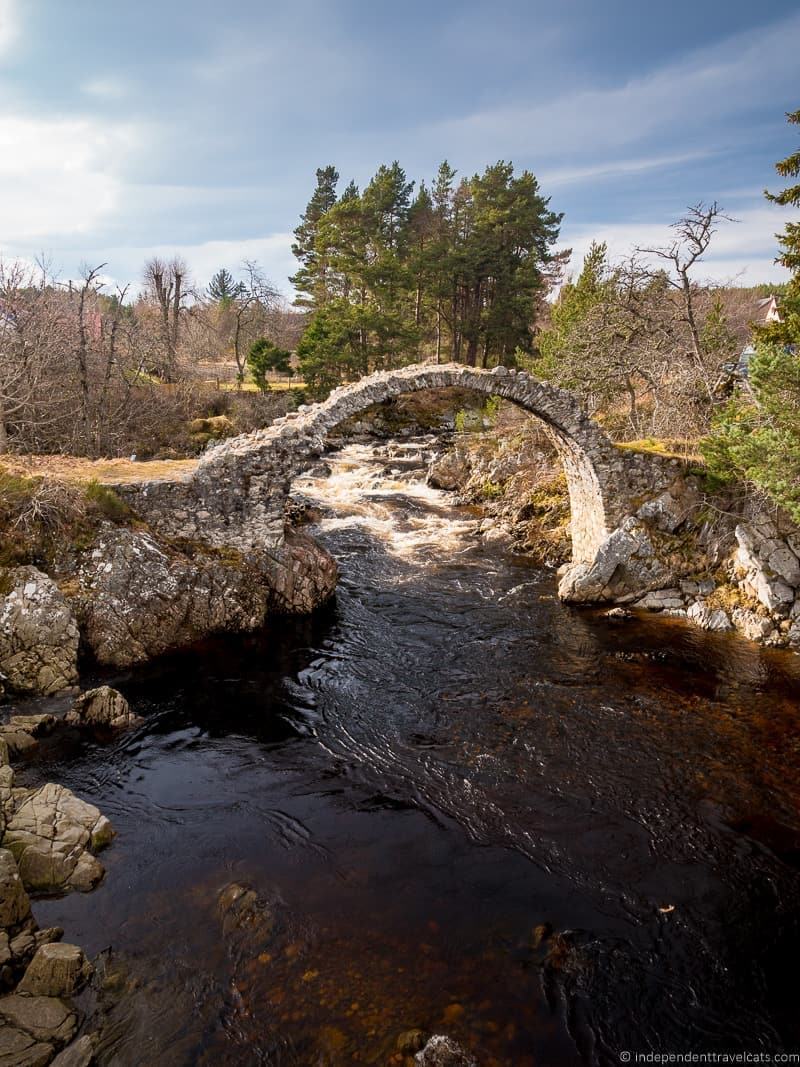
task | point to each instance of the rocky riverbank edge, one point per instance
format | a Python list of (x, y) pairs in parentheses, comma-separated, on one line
[(130, 596), (722, 564), (49, 840)]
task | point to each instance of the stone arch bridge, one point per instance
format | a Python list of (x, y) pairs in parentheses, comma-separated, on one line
[(237, 494)]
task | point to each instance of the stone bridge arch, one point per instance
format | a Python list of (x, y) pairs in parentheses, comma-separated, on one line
[(236, 496), (242, 483)]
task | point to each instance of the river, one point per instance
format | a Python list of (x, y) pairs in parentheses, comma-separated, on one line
[(466, 808)]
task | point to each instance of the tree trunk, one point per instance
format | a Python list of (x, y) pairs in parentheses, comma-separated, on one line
[(3, 429)]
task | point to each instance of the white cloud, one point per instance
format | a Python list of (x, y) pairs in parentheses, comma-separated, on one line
[(273, 252), (60, 176), (9, 25), (616, 168)]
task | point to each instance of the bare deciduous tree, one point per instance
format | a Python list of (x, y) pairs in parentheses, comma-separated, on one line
[(167, 284), (693, 234)]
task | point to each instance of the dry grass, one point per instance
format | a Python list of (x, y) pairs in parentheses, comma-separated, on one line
[(76, 470), (251, 387), (669, 447)]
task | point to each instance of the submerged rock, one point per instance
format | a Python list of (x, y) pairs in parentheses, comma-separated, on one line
[(52, 835), (245, 914), (38, 635), (79, 1054), (441, 1051), (103, 706)]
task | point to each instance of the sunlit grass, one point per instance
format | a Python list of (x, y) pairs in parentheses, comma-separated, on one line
[(669, 447)]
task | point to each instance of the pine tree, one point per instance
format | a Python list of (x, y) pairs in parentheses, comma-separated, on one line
[(223, 289), (304, 247), (569, 312), (265, 356), (788, 330)]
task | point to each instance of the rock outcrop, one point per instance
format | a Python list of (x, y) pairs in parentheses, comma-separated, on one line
[(141, 597), (103, 706), (48, 1020), (56, 970), (38, 635), (53, 836)]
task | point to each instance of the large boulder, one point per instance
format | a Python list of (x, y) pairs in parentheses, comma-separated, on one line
[(103, 706), (302, 575), (45, 1019), (625, 566), (450, 471), (53, 835), (38, 635), (139, 598), (56, 970)]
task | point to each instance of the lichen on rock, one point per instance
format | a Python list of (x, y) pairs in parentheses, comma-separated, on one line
[(38, 635)]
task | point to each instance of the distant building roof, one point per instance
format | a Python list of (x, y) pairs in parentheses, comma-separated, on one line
[(768, 309)]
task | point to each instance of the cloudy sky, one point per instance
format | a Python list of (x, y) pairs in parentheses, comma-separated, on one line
[(196, 127)]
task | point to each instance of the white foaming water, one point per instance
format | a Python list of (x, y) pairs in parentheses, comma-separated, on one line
[(383, 490)]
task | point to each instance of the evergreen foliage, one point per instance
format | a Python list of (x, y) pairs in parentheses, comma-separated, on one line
[(455, 272), (264, 357), (788, 330), (569, 314), (223, 289), (756, 439)]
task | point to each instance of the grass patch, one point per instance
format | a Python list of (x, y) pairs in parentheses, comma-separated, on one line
[(668, 447), (106, 502)]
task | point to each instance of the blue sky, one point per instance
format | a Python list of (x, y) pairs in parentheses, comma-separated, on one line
[(196, 127)]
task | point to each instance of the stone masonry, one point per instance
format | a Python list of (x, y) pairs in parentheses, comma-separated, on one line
[(236, 496)]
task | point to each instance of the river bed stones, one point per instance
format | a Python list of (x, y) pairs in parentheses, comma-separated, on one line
[(103, 706), (19, 1049), (45, 1019), (53, 835)]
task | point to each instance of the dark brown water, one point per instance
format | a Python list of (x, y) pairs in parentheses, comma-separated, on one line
[(415, 780)]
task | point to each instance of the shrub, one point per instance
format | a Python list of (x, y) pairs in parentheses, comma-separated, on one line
[(106, 502), (756, 438)]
